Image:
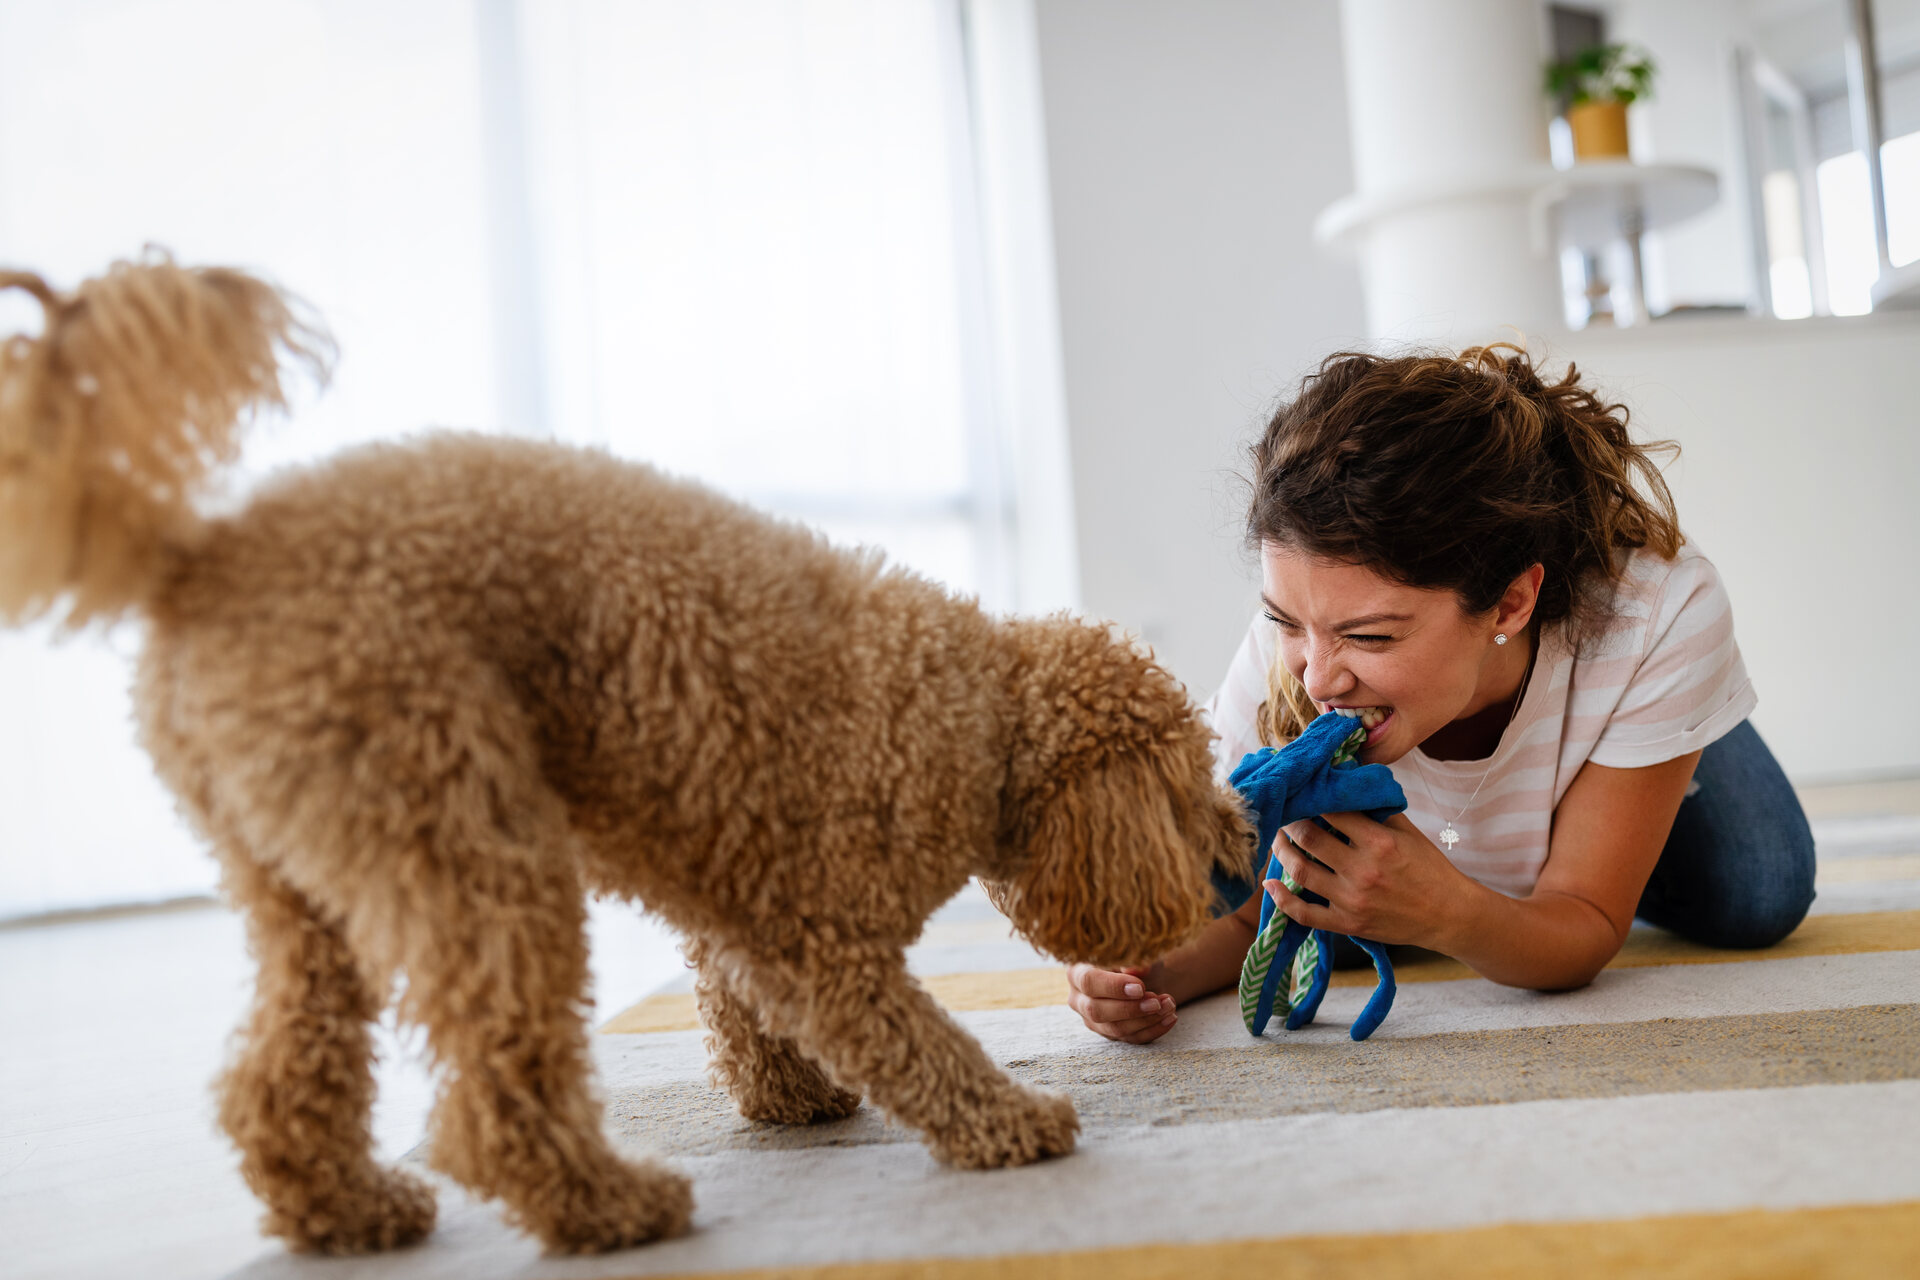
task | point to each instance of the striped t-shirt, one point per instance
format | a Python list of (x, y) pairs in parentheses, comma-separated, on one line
[(1666, 680)]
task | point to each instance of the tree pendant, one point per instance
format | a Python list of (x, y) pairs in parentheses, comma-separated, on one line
[(1449, 837)]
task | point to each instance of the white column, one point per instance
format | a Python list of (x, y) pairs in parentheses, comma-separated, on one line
[(1448, 122)]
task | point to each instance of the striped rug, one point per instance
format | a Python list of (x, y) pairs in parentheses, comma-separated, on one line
[(1692, 1113)]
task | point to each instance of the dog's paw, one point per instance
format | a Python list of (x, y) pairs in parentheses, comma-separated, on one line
[(1018, 1126), (390, 1211), (800, 1107), (784, 1088), (619, 1206)]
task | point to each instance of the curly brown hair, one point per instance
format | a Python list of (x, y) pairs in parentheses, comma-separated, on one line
[(1457, 473)]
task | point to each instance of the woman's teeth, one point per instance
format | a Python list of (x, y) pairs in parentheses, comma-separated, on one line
[(1368, 716)]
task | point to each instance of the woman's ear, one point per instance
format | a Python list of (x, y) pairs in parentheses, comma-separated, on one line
[(1516, 606)]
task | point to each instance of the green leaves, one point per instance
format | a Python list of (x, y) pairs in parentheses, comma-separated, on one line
[(1620, 73), (1347, 750)]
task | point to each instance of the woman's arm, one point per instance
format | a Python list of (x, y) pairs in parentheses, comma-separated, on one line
[(1392, 885), (1608, 831)]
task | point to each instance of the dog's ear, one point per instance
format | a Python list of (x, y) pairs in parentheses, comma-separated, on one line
[(1115, 865), (1221, 823)]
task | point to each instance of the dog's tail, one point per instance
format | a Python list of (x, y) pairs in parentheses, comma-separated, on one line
[(113, 417)]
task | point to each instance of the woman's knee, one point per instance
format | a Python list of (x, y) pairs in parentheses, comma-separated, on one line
[(1738, 869), (1767, 907), (1757, 929)]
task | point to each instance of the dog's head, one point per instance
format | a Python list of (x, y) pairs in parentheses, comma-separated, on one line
[(1112, 819)]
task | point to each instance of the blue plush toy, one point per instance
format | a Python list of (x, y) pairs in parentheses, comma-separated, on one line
[(1312, 775)]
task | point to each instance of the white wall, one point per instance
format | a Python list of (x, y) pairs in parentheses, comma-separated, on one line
[(1801, 448), (1190, 147)]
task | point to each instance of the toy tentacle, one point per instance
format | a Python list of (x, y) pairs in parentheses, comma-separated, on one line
[(1382, 998), (1291, 936), (1308, 1005)]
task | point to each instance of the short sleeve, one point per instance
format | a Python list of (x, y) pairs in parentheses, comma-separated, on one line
[(1234, 709), (1690, 686)]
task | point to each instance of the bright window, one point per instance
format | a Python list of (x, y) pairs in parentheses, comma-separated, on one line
[(744, 234), (1846, 215)]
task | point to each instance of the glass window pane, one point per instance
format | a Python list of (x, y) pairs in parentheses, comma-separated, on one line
[(765, 193)]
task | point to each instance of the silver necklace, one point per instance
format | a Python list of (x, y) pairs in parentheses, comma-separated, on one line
[(1448, 836)]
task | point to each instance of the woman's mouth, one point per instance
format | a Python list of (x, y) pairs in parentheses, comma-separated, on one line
[(1374, 718)]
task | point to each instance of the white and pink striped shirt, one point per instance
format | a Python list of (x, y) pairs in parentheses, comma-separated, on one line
[(1666, 680)]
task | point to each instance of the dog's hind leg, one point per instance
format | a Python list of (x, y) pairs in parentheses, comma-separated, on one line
[(499, 981), (767, 1076), (298, 1099), (465, 871)]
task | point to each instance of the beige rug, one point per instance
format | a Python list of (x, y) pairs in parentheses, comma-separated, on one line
[(1692, 1113)]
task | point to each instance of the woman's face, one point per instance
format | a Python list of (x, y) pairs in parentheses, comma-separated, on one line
[(1409, 657)]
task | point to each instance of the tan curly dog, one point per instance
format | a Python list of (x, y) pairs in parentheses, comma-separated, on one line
[(424, 697)]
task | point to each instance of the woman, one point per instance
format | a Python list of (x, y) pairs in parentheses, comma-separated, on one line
[(1456, 554)]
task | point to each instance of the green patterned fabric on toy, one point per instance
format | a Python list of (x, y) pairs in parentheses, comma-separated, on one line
[(1315, 774)]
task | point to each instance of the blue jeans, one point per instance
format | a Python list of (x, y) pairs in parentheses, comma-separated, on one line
[(1737, 869)]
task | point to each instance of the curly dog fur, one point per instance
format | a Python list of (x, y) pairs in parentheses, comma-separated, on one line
[(422, 698)]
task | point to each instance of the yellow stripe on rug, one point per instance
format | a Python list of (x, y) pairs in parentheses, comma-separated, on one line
[(1011, 989), (1756, 1244), (1829, 935)]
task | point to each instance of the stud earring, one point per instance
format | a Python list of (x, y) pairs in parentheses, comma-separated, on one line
[(1501, 638)]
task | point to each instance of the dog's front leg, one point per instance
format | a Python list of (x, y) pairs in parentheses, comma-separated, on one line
[(860, 1013), (767, 1076)]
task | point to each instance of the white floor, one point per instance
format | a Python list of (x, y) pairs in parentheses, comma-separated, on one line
[(111, 1032)]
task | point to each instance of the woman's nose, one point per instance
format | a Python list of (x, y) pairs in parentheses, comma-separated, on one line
[(1324, 678)]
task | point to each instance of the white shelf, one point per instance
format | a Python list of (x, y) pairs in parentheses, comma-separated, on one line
[(1597, 202), (1587, 206), (1350, 215)]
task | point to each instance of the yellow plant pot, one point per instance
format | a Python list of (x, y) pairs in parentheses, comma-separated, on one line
[(1599, 130)]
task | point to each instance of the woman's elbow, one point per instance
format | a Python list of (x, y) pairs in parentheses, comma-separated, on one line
[(1567, 980), (1571, 970), (1591, 939)]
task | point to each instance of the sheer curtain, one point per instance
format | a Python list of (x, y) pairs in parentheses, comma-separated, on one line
[(750, 218), (765, 243)]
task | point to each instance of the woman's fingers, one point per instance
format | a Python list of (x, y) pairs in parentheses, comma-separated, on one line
[(1149, 1034), (1116, 1004), (1150, 1008), (1307, 873), (1318, 841), (1106, 984), (1307, 913), (1106, 995), (1136, 1030)]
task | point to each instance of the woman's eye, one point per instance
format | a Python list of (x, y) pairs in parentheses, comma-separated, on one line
[(1290, 626)]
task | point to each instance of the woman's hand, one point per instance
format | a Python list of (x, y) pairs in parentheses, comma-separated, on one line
[(1389, 884), (1117, 1004)]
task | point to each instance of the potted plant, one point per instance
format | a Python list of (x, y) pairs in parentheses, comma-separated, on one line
[(1596, 84)]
